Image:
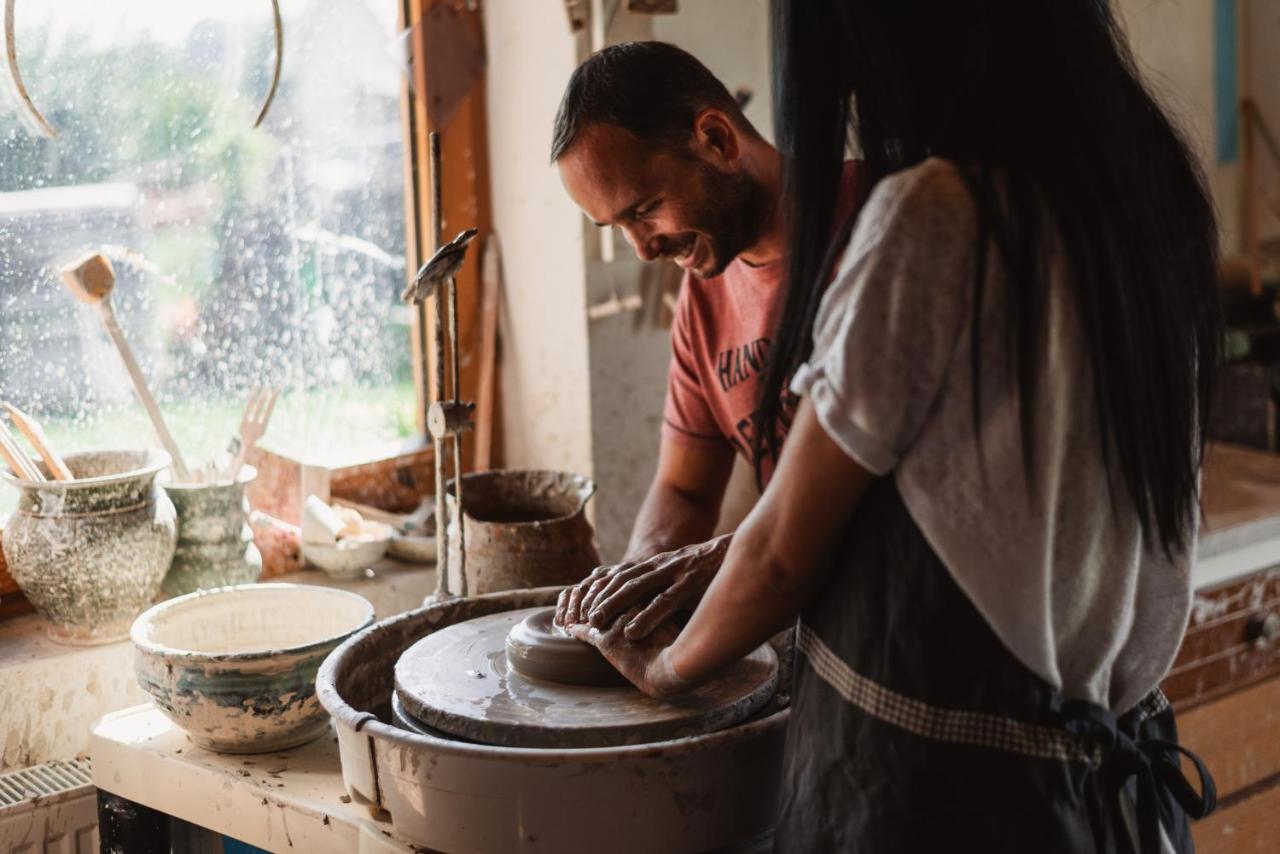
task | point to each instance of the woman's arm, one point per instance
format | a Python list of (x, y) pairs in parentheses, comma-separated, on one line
[(769, 572)]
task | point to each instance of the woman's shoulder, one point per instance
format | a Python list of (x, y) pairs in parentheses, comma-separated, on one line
[(927, 203), (933, 186)]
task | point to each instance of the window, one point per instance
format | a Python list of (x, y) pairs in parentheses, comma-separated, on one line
[(268, 256)]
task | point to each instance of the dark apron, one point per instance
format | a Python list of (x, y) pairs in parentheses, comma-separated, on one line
[(914, 729)]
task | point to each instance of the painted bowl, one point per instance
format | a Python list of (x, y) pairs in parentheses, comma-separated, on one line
[(349, 557), (236, 666)]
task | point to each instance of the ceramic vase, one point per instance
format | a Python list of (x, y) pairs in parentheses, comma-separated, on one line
[(215, 543), (90, 553), (524, 529)]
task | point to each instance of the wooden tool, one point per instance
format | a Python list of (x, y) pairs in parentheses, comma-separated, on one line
[(490, 294), (35, 435), (91, 280), (257, 415), (17, 459)]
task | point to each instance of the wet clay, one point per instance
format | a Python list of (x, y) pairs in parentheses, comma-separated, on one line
[(459, 680), (537, 650)]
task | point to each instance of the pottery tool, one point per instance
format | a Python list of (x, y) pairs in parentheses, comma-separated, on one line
[(35, 435), (19, 463), (449, 417), (253, 424), (91, 280), (511, 679)]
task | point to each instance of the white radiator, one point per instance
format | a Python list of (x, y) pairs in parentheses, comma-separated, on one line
[(49, 809)]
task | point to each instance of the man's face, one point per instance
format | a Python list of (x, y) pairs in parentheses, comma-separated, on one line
[(694, 208)]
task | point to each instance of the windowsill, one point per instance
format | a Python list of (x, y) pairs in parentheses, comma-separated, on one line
[(50, 693)]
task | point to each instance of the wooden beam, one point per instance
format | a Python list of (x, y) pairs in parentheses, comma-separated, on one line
[(466, 204)]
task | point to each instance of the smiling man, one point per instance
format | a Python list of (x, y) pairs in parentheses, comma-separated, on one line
[(648, 141)]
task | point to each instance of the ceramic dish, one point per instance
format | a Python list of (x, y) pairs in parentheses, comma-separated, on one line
[(236, 666), (349, 557), (414, 549)]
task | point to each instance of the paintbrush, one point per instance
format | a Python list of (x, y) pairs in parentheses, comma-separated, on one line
[(35, 435), (17, 459)]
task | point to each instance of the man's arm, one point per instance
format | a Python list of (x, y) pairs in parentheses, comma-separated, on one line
[(683, 503)]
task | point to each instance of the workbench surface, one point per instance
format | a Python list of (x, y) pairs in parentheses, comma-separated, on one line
[(291, 800)]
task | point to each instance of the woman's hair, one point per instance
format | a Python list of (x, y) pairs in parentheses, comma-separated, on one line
[(1039, 105)]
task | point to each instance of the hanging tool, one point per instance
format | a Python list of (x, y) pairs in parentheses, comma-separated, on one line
[(275, 74), (11, 54), (91, 280), (35, 435)]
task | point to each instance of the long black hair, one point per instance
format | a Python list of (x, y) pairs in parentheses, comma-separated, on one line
[(1039, 104)]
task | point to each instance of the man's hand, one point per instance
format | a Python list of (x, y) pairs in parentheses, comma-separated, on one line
[(653, 590), (643, 662)]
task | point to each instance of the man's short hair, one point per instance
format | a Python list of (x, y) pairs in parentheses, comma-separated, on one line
[(652, 89)]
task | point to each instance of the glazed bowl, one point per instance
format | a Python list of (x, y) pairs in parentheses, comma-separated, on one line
[(236, 666), (349, 557), (90, 553)]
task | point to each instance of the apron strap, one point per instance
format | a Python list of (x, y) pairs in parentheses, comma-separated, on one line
[(1152, 762)]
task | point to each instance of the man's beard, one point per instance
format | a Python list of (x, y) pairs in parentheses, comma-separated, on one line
[(732, 217)]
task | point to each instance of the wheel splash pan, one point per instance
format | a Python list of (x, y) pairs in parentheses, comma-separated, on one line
[(712, 791)]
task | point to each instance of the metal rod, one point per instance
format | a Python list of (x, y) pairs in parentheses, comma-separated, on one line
[(452, 301), (442, 520)]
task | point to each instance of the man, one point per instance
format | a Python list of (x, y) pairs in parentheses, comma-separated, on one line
[(648, 141)]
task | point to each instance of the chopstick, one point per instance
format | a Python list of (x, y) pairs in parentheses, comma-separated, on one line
[(18, 461), (35, 435)]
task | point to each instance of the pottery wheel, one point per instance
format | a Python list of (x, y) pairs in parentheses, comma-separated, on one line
[(459, 681)]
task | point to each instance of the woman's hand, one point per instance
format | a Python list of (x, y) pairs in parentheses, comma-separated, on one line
[(645, 663), (654, 590)]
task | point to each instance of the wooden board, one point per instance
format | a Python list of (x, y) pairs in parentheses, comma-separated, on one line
[(1248, 826), (1238, 737), (1240, 485)]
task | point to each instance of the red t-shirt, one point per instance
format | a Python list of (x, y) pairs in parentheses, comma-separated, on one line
[(720, 347)]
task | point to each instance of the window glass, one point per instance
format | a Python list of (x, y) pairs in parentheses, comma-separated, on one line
[(271, 256)]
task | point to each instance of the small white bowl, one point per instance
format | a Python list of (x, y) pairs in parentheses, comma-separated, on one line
[(236, 666), (413, 549), (351, 556)]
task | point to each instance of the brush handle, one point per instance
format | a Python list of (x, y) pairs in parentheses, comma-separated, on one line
[(140, 386), (35, 435), (18, 461)]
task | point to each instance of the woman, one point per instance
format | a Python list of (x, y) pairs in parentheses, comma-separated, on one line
[(985, 516)]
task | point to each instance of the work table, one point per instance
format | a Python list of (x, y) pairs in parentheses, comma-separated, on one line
[(50, 694)]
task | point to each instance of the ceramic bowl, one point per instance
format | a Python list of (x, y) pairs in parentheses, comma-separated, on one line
[(351, 556), (236, 666), (412, 548)]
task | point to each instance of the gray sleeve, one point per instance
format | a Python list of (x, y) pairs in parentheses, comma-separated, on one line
[(888, 327)]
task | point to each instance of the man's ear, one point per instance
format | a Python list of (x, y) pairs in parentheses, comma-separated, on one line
[(715, 138)]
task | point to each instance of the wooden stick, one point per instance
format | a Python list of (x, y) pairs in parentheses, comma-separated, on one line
[(19, 462), (35, 435), (140, 386), (490, 289)]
